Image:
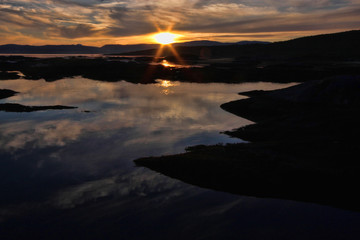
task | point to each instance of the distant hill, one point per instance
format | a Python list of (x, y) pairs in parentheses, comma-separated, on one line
[(337, 45), (344, 45), (106, 49), (251, 42), (117, 48), (326, 45), (48, 49), (214, 43), (73, 49)]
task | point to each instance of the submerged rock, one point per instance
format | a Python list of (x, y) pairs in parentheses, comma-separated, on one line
[(6, 93), (14, 107), (8, 75)]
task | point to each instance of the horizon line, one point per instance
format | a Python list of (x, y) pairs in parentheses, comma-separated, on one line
[(79, 44)]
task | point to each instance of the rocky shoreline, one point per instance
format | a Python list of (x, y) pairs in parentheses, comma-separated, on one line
[(6, 93), (145, 70), (304, 147), (14, 107)]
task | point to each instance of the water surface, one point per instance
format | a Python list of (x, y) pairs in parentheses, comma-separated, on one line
[(69, 173)]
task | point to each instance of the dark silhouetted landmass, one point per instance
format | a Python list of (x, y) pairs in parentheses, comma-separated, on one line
[(140, 71), (48, 49), (106, 69), (201, 43), (252, 42), (106, 49), (334, 46), (117, 48), (298, 60), (14, 107), (5, 93), (8, 75), (304, 146), (73, 49), (214, 43)]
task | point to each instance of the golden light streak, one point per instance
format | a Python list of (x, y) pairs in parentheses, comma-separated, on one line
[(176, 55), (165, 41)]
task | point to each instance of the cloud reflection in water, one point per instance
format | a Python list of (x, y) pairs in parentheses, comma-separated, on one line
[(114, 124), (114, 106), (71, 170)]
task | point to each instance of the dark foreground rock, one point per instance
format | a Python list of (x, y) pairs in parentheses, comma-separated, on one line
[(6, 93), (8, 75), (143, 70), (14, 107), (304, 147)]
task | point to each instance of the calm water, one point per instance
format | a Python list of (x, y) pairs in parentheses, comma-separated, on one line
[(69, 173)]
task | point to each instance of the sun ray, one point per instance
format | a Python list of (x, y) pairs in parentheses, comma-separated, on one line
[(165, 39), (176, 55)]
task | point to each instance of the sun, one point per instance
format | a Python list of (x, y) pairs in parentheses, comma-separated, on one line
[(165, 38)]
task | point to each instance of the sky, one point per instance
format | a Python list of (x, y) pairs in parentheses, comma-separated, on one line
[(100, 22)]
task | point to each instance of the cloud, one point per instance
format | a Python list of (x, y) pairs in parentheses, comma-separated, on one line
[(84, 3), (281, 6), (115, 112), (114, 21), (137, 183), (79, 31), (322, 20)]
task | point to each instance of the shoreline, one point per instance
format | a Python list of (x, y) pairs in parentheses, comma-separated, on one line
[(140, 70), (302, 147)]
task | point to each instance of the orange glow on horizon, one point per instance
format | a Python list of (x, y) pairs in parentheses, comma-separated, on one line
[(101, 40)]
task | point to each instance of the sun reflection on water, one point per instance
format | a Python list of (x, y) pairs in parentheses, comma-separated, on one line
[(165, 63), (167, 86), (167, 91), (168, 64)]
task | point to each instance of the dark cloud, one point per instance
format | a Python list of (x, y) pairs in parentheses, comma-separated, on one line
[(137, 29), (118, 13), (15, 17), (85, 3), (223, 26), (289, 5), (354, 13), (127, 22), (347, 18), (78, 31)]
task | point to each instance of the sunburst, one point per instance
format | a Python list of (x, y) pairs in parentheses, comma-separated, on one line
[(165, 38)]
